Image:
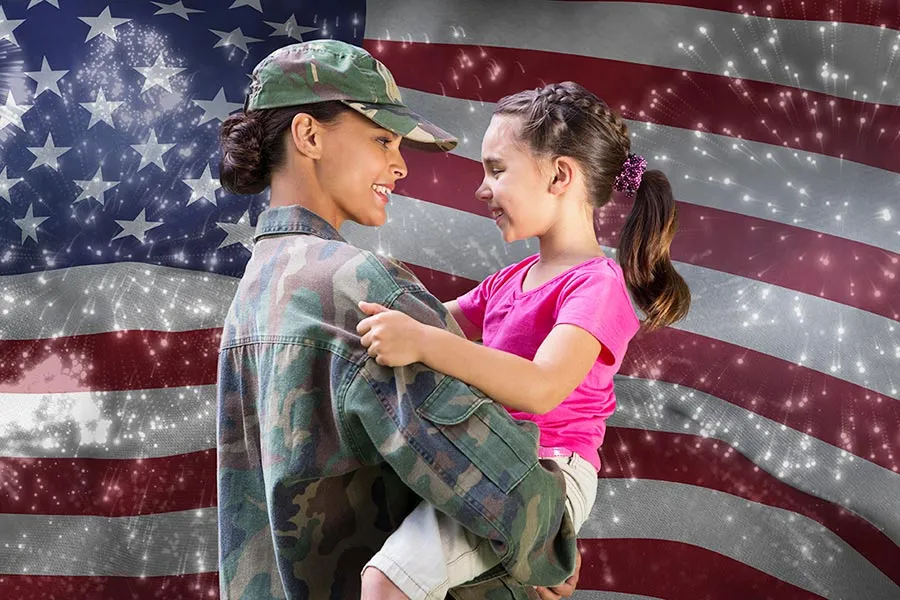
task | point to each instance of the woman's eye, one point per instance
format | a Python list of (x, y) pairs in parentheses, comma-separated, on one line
[(496, 171), (384, 141)]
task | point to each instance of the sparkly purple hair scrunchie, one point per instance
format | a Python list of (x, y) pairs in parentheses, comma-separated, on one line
[(629, 178)]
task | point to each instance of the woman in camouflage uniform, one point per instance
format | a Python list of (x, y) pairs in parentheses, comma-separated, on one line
[(322, 452)]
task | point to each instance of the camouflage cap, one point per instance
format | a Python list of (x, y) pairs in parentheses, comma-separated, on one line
[(322, 70)]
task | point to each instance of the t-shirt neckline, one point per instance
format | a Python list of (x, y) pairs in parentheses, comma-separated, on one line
[(534, 259)]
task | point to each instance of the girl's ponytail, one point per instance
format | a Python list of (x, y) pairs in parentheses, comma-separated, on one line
[(643, 253)]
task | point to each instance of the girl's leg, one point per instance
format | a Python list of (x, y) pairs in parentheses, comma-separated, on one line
[(430, 553), (581, 487)]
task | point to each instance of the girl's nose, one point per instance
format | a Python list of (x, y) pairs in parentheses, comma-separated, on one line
[(483, 193)]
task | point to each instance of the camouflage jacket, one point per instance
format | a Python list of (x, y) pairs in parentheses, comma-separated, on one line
[(322, 452)]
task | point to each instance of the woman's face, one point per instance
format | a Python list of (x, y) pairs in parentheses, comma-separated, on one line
[(359, 167)]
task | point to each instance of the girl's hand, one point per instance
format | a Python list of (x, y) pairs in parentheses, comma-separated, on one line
[(392, 337)]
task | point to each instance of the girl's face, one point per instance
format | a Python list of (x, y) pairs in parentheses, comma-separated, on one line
[(516, 183), (359, 167)]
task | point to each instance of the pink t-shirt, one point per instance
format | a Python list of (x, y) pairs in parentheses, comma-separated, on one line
[(591, 295)]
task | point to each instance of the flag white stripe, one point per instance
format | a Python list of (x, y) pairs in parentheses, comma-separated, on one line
[(820, 185), (118, 424), (727, 307), (595, 29), (111, 297), (779, 542), (145, 546), (801, 461)]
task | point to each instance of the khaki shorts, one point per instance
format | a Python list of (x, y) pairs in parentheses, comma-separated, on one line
[(431, 553)]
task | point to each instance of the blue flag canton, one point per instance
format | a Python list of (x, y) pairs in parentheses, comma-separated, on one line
[(109, 121)]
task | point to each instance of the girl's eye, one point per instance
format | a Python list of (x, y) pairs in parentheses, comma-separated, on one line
[(496, 171), (384, 141)]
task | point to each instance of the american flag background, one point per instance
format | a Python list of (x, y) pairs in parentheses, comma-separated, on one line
[(756, 446)]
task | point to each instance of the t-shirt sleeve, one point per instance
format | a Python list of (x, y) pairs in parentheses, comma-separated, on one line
[(474, 302), (599, 304)]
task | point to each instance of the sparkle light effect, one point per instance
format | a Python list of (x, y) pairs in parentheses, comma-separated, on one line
[(779, 168)]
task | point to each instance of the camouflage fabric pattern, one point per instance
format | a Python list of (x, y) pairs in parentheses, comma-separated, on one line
[(322, 452), (323, 70)]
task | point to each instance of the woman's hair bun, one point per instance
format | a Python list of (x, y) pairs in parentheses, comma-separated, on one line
[(244, 167)]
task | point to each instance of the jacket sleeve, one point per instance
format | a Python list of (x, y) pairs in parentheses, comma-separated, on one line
[(463, 454)]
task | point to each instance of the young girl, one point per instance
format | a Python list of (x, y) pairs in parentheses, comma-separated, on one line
[(556, 325)]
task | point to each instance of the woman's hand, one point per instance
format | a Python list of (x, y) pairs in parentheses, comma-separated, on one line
[(564, 590), (393, 338)]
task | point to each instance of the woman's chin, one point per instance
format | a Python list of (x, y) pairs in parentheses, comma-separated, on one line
[(375, 219)]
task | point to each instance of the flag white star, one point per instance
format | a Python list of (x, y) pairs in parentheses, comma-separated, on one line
[(238, 233), (48, 154), (29, 224), (158, 74), (7, 26), (103, 23), (6, 184), (36, 2), (252, 3), (137, 228), (46, 79), (102, 109), (175, 9), (152, 152), (204, 187), (11, 113), (290, 28), (234, 38), (94, 187), (217, 108)]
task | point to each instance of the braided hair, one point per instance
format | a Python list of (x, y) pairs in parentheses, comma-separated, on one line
[(565, 119)]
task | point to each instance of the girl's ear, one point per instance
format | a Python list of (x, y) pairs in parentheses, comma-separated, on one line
[(563, 171), (306, 135)]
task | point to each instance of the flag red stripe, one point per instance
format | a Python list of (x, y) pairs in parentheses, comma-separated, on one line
[(713, 464), (758, 382), (877, 14), (819, 264), (120, 360), (722, 105), (660, 568), (200, 586), (676, 571), (835, 411), (783, 391), (108, 487)]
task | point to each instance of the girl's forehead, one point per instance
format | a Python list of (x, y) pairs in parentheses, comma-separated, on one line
[(503, 137), (505, 126)]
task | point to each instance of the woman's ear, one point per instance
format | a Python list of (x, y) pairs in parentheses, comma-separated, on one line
[(306, 135)]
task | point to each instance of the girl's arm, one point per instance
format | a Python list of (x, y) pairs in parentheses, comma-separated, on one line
[(472, 331), (536, 386)]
